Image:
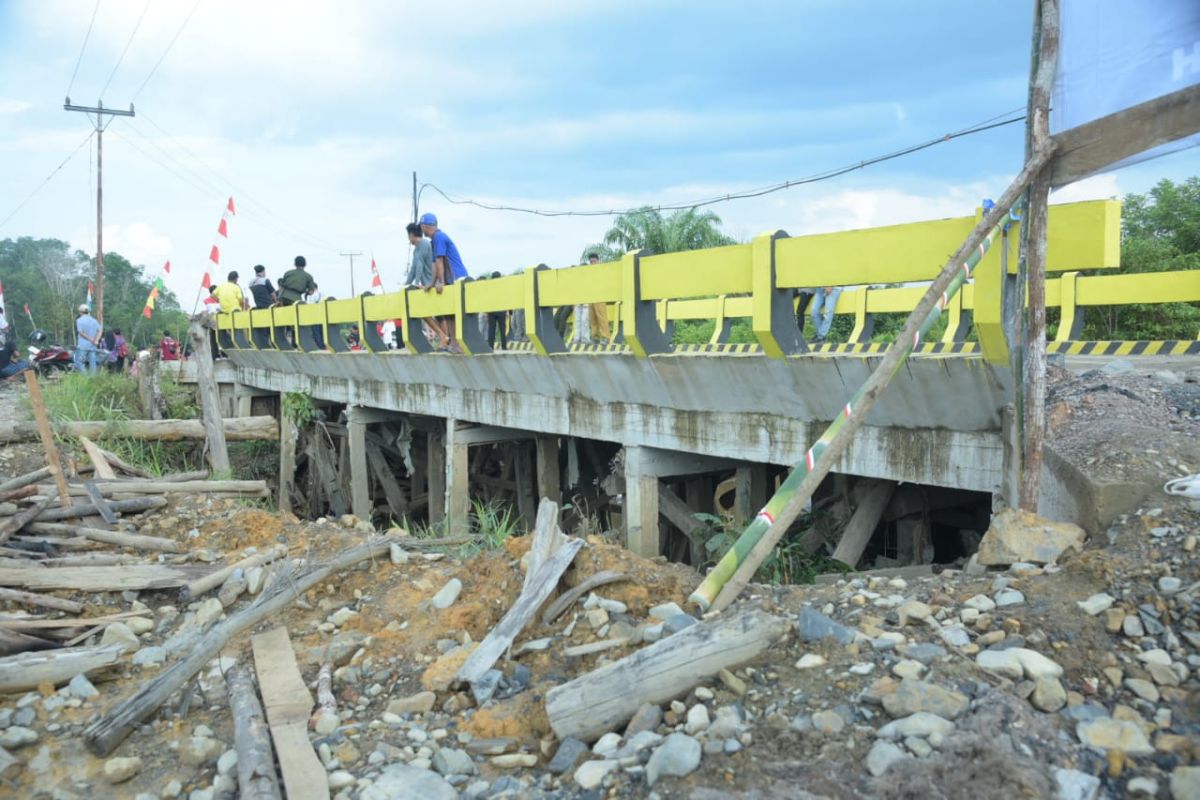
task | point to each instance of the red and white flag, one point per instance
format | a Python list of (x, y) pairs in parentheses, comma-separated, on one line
[(230, 207), (376, 281), (215, 255), (223, 229)]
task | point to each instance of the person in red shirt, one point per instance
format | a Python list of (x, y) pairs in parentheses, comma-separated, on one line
[(168, 347)]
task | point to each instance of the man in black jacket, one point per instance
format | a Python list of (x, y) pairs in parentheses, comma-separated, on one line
[(261, 288)]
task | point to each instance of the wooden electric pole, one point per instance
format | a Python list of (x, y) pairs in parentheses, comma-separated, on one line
[(101, 112)]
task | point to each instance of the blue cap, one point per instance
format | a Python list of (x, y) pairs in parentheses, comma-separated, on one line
[(429, 219)]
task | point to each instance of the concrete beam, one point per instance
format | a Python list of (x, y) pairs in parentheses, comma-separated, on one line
[(436, 475), (670, 463), (642, 535), (490, 434)]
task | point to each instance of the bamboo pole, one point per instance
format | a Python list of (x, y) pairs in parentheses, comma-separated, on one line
[(737, 567)]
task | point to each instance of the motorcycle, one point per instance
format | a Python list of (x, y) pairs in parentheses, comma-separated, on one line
[(48, 358)]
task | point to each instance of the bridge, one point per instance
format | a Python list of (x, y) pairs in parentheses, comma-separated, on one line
[(682, 410)]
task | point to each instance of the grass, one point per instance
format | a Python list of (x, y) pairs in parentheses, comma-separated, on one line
[(113, 397), (789, 563), (492, 524)]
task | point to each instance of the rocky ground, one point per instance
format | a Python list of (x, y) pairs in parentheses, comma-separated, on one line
[(1077, 678)]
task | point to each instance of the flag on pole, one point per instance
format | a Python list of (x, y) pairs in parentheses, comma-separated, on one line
[(376, 281), (150, 301), (215, 255), (223, 229), (230, 208), (206, 282), (89, 295), (167, 267), (29, 314)]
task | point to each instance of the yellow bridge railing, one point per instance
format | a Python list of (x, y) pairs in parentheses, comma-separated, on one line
[(758, 281)]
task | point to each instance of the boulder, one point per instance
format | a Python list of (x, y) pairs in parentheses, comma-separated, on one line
[(1017, 535)]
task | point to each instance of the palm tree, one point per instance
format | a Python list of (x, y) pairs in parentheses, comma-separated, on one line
[(647, 229)]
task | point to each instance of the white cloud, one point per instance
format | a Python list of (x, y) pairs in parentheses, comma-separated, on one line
[(11, 106), (1097, 187), (139, 243)]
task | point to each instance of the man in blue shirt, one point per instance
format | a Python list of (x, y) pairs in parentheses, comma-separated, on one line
[(88, 341), (447, 267)]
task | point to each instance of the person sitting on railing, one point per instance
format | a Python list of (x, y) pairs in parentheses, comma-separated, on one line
[(261, 289), (447, 267), (313, 297), (825, 299), (420, 275), (296, 283)]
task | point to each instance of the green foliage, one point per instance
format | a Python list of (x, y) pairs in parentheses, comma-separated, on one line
[(693, 331), (299, 408), (790, 562), (53, 280), (1160, 233), (180, 399), (492, 524), (647, 229)]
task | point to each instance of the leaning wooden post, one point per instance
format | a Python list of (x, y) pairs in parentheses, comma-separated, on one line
[(210, 397), (737, 567), (1034, 253), (47, 436), (256, 758)]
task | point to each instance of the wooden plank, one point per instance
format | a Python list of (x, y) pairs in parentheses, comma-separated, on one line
[(68, 622), (18, 521), (101, 579), (99, 462), (397, 503), (1093, 146), (862, 524), (501, 637), (102, 507), (601, 700), (288, 704), (546, 539), (46, 435)]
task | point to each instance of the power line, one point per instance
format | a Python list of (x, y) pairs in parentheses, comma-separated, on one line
[(170, 44), (294, 231), (53, 172), (86, 36), (986, 125), (128, 42)]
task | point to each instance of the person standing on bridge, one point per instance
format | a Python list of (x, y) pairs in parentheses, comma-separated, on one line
[(230, 295), (296, 283), (447, 267), (824, 299), (261, 288)]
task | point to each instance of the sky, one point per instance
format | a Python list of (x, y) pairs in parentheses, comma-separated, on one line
[(314, 116)]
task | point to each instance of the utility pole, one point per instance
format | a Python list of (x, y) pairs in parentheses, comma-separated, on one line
[(351, 256), (101, 112)]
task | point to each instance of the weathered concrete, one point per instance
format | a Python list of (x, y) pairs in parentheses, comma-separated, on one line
[(938, 424)]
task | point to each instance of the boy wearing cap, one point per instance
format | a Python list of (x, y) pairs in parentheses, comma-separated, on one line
[(88, 340)]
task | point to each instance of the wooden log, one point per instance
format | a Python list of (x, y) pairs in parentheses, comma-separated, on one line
[(681, 516), (132, 506), (91, 560), (18, 494), (501, 637), (256, 757), (43, 600), (601, 700), (568, 598), (128, 468), (103, 735), (13, 642), (138, 487), (26, 479), (210, 397), (132, 541), (591, 648), (26, 671), (68, 622), (288, 703), (215, 579), (135, 577), (46, 435), (857, 534), (15, 523), (99, 462), (396, 501), (237, 429), (287, 462)]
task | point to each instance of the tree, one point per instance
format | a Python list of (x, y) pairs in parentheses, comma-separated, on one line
[(647, 229), (1160, 232)]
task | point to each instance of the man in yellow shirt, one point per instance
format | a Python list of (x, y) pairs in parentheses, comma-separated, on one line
[(229, 294)]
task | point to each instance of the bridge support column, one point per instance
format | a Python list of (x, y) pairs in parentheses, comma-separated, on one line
[(641, 505), (548, 483), (435, 449), (751, 492), (360, 481), (458, 498)]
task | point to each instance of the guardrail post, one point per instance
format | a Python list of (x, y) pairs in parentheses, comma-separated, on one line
[(724, 325), (773, 312), (279, 332), (864, 321), (414, 331), (472, 342), (665, 323), (638, 317), (1070, 319), (539, 321), (989, 309), (958, 320)]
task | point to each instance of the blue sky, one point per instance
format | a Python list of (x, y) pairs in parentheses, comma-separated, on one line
[(314, 115)]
